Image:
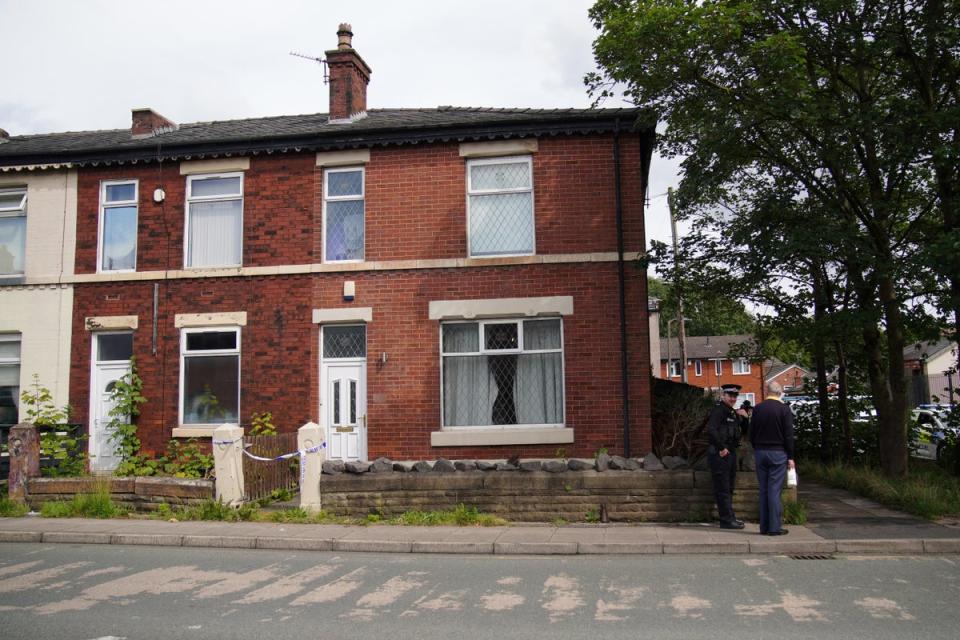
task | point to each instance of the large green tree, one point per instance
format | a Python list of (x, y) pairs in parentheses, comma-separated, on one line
[(800, 106)]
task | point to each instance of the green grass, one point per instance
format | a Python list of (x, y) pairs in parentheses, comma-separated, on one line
[(461, 515), (85, 505), (927, 491), (10, 509), (794, 512), (216, 510)]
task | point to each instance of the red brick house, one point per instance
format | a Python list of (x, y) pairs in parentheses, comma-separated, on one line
[(710, 365), (420, 282)]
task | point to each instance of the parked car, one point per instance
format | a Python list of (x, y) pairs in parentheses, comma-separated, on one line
[(930, 435)]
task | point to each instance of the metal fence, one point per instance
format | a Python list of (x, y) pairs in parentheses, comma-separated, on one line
[(935, 389), (261, 478)]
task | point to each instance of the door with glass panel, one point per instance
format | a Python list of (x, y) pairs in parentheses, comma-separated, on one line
[(111, 361), (343, 397)]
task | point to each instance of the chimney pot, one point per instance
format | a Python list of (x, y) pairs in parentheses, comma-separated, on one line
[(345, 36)]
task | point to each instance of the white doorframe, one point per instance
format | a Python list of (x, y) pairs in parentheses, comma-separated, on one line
[(344, 422), (102, 375)]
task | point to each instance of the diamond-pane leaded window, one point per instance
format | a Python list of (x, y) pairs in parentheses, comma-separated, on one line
[(500, 194), (345, 341), (343, 207), (515, 378)]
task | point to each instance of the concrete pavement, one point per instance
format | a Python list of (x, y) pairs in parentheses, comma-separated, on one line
[(839, 522)]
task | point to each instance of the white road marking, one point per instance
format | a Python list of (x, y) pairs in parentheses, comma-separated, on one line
[(883, 609), (287, 585), (332, 590), (561, 596)]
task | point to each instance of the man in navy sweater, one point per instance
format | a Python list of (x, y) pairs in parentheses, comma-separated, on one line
[(771, 434)]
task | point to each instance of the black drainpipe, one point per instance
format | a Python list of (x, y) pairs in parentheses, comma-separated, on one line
[(624, 383)]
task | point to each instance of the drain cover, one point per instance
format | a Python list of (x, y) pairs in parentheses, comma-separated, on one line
[(813, 556)]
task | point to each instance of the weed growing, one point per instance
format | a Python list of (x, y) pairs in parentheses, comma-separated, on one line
[(11, 509), (794, 512), (86, 505)]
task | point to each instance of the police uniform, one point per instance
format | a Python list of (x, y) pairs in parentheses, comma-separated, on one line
[(724, 429)]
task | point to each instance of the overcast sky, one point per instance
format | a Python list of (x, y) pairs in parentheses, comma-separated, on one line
[(82, 65)]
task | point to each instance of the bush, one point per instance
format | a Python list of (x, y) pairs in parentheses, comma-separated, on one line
[(11, 509), (217, 510), (794, 512), (86, 505), (461, 515), (864, 434), (680, 414)]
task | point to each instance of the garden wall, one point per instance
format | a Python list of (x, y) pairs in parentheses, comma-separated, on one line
[(629, 496), (141, 494)]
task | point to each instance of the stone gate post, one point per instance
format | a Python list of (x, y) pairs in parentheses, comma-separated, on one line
[(228, 463), (309, 436), (23, 445)]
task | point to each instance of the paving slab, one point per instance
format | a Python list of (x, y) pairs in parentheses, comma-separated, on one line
[(880, 546)]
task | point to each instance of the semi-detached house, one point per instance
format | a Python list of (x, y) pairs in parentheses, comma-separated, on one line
[(452, 282)]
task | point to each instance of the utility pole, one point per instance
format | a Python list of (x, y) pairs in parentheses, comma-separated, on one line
[(681, 330)]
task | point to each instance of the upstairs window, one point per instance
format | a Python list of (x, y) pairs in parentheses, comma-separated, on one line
[(13, 230), (343, 215), (675, 370), (118, 226), (502, 373), (741, 367), (698, 367), (214, 220), (9, 378), (718, 366), (500, 206), (210, 376)]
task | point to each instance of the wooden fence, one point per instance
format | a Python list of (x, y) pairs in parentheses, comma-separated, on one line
[(262, 478)]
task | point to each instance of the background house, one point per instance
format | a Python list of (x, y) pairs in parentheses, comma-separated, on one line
[(709, 364), (420, 282), (933, 371)]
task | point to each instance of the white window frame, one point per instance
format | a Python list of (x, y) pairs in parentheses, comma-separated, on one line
[(189, 199), (104, 205), (96, 340), (718, 366), (212, 352), (19, 211), (747, 396), (519, 350), (743, 364), (673, 369), (698, 367), (530, 190), (18, 362), (352, 198)]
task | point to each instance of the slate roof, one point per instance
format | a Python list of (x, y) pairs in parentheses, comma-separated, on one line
[(927, 350), (312, 132), (703, 347)]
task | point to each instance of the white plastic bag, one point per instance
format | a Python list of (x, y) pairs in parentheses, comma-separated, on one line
[(791, 477)]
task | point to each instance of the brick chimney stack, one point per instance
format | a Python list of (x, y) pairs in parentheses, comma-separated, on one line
[(349, 76), (147, 122)]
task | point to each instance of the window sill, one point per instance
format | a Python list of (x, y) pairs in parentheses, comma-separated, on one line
[(478, 437), (194, 431)]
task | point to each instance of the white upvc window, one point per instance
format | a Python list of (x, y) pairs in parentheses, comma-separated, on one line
[(698, 367), (741, 367), (13, 230), (749, 397), (210, 376), (214, 227), (344, 218), (502, 373), (675, 371), (718, 366), (500, 218), (117, 246), (9, 378)]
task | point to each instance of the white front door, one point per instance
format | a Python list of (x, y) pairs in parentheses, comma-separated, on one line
[(102, 446), (345, 409)]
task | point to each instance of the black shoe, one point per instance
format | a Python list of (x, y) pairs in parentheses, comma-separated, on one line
[(782, 532), (739, 522), (736, 524)]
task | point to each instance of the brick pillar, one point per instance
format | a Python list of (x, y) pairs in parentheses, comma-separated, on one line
[(24, 448)]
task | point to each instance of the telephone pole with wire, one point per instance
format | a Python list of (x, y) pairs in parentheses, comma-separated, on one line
[(681, 329)]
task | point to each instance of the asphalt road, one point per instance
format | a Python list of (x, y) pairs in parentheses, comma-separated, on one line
[(86, 592)]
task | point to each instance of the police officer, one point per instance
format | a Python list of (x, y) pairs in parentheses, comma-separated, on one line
[(724, 428)]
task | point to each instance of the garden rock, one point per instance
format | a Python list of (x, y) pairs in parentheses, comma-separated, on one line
[(531, 465), (402, 468), (577, 464), (652, 463), (620, 463), (505, 466), (332, 467), (554, 466), (483, 465), (355, 466), (701, 464), (603, 462), (442, 465), (638, 462), (422, 466), (675, 462), (465, 465), (381, 465)]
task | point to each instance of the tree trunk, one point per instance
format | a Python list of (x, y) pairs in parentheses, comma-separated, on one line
[(820, 360), (892, 420), (843, 406)]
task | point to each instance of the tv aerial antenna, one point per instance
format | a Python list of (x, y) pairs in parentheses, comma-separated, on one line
[(323, 63)]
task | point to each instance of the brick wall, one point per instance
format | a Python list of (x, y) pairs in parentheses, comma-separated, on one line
[(279, 349), (751, 382)]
